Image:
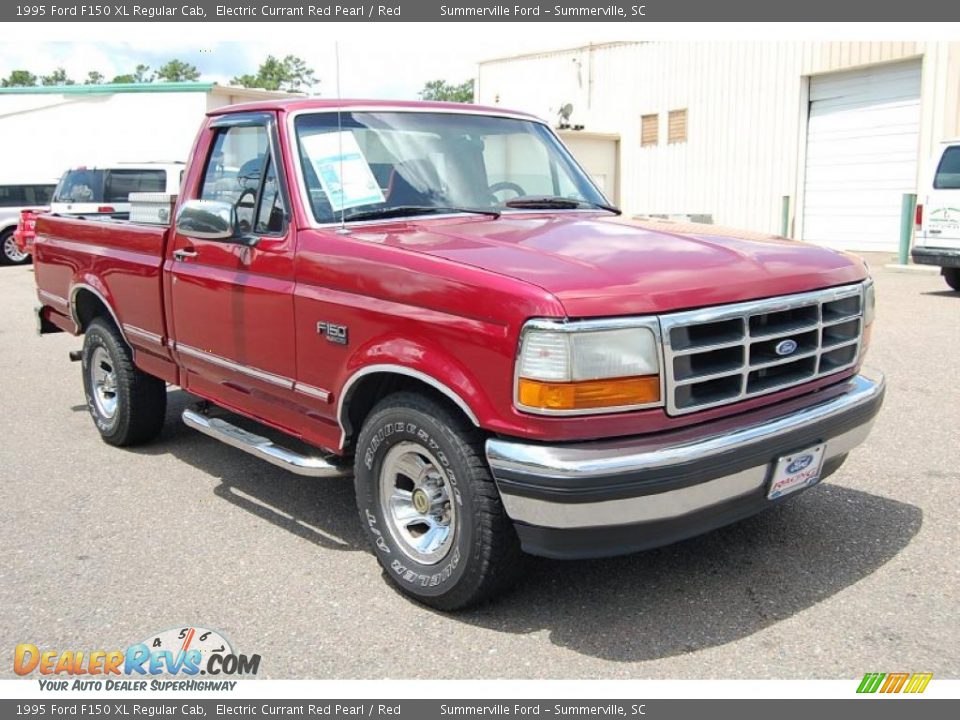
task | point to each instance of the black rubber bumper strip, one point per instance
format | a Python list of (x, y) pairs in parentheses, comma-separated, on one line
[(613, 540), (942, 257), (600, 488)]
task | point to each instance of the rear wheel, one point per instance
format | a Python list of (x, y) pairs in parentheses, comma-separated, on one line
[(430, 506), (952, 276), (9, 252), (127, 405)]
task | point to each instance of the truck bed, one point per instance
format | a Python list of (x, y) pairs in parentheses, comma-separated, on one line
[(119, 263)]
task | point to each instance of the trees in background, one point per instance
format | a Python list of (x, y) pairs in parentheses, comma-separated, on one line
[(141, 74), (57, 77), (449, 92), (177, 71), (290, 74), (20, 78), (172, 71)]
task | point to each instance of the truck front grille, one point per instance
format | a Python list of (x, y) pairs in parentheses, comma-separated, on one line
[(725, 354)]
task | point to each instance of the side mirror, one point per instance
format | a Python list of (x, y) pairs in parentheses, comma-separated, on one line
[(207, 220)]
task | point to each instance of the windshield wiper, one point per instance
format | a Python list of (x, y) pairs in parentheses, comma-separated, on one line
[(405, 210), (552, 202)]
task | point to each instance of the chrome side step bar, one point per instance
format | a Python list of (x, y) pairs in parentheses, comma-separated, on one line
[(262, 447)]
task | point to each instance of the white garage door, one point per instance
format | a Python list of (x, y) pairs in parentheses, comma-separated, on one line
[(597, 154), (862, 144)]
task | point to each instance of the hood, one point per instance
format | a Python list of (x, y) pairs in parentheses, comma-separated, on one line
[(597, 265)]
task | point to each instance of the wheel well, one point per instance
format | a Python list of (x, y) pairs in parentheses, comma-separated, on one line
[(87, 306), (372, 388)]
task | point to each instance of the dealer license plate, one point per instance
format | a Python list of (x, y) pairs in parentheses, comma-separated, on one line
[(796, 471)]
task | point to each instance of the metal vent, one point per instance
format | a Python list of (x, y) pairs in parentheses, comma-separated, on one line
[(725, 354)]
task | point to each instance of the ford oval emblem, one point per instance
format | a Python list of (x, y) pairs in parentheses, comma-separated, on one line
[(786, 347), (801, 463)]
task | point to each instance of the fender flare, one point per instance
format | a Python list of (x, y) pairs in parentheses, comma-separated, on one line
[(346, 391), (72, 305)]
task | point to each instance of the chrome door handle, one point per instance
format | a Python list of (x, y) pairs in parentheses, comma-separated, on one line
[(184, 254)]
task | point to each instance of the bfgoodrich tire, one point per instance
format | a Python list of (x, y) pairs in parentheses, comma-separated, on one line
[(127, 405), (952, 276), (429, 505)]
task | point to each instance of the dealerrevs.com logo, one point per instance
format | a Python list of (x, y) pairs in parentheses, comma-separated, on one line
[(170, 660)]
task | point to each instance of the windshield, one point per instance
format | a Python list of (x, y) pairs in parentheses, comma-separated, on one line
[(95, 186), (400, 162)]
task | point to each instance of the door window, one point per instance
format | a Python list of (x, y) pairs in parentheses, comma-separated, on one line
[(240, 172)]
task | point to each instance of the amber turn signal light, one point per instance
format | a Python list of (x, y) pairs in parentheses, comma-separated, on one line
[(588, 394)]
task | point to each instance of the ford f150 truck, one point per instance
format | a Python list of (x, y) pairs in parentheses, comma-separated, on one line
[(438, 299)]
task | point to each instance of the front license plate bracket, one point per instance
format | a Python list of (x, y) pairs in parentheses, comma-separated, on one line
[(796, 471)]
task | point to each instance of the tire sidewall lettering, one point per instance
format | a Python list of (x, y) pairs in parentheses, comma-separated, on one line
[(405, 570), (104, 425)]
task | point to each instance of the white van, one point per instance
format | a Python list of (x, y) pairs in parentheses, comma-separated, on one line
[(106, 190), (938, 217)]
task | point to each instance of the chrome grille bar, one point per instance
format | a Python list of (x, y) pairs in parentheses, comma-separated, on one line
[(722, 355)]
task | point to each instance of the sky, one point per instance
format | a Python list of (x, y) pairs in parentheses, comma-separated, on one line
[(391, 68)]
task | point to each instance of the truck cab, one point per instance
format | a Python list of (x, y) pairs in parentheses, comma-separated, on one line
[(938, 217)]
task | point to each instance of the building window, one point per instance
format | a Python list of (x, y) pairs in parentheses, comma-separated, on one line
[(677, 126), (649, 130)]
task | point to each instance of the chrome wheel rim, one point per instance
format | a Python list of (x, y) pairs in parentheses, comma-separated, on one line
[(103, 381), (415, 499), (11, 250)]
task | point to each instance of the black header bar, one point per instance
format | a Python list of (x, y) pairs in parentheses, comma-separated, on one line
[(636, 11)]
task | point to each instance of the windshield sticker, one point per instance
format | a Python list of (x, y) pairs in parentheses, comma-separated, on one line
[(343, 170)]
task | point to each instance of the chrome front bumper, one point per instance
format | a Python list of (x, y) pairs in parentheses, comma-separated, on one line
[(612, 497)]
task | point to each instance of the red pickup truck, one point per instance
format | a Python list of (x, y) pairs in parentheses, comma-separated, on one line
[(440, 301), (26, 230)]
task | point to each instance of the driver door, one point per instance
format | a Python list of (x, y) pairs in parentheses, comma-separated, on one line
[(232, 301)]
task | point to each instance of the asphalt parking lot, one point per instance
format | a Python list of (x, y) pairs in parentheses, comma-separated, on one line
[(104, 546)]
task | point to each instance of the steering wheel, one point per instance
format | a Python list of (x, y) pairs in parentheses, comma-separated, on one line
[(246, 225), (506, 186)]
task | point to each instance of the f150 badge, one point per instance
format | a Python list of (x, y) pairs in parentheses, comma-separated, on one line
[(334, 333)]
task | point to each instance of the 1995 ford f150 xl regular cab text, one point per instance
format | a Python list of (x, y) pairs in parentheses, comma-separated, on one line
[(440, 301)]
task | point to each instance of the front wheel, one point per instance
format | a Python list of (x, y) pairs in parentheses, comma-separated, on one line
[(127, 405), (952, 276), (429, 505), (9, 252)]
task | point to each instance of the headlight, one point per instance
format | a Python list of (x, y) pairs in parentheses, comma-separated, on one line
[(581, 368)]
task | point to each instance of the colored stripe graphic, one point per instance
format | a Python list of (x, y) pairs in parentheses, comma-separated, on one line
[(918, 682), (894, 682), (870, 682)]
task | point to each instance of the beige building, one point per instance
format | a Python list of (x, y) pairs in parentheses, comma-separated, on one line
[(725, 130)]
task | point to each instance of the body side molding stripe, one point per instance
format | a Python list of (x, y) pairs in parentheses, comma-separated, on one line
[(146, 335), (49, 297), (213, 359), (272, 378)]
